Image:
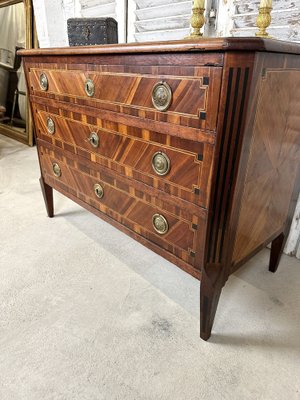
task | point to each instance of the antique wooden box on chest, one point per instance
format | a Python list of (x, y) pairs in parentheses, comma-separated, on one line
[(190, 147)]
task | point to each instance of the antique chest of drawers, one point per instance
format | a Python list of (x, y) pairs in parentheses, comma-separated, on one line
[(190, 147)]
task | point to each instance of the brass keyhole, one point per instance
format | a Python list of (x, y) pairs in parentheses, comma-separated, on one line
[(99, 191), (87, 33), (89, 87), (43, 82), (94, 139), (50, 126), (56, 170)]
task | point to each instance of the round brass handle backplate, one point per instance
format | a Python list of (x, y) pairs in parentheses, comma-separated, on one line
[(99, 191), (160, 224), (161, 163), (50, 126), (89, 87), (43, 82), (56, 170), (162, 96), (94, 139)]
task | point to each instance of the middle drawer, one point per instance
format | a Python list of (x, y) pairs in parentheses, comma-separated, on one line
[(174, 165)]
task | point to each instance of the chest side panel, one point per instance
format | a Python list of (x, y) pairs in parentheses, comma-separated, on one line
[(269, 175)]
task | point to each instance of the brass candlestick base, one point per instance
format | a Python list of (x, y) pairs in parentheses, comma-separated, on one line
[(197, 21), (263, 21)]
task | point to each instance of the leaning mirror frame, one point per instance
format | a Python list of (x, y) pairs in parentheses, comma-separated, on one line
[(30, 42)]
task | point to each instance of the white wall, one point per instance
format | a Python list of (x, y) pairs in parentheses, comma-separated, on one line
[(238, 18), (51, 20), (51, 17)]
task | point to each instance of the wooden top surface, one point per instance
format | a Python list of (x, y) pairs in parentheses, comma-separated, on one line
[(199, 45)]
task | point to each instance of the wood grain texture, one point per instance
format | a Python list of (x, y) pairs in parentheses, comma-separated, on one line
[(233, 107), (204, 45), (195, 91), (235, 177), (237, 75), (124, 203), (272, 170), (129, 151), (113, 118), (48, 197)]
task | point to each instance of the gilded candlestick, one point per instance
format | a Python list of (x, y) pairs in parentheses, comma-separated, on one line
[(197, 22), (263, 21)]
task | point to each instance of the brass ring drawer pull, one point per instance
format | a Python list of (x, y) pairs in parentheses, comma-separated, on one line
[(89, 87), (161, 163), (56, 170), (99, 191), (162, 96), (43, 82), (50, 126), (160, 224), (94, 139)]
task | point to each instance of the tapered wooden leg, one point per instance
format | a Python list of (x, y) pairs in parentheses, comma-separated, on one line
[(48, 197), (277, 248), (212, 283)]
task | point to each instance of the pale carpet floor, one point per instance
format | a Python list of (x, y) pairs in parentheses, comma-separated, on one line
[(87, 313)]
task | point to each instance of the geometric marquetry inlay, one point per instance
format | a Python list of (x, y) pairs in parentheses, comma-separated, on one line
[(190, 147), (269, 183)]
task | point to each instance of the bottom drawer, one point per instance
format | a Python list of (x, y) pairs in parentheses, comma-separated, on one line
[(132, 204)]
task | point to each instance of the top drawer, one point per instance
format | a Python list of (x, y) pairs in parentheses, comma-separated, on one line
[(175, 94)]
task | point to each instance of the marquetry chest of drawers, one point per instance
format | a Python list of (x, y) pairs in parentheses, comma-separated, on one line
[(190, 147)]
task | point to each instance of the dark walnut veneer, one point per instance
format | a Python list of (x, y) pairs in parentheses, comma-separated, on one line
[(231, 135)]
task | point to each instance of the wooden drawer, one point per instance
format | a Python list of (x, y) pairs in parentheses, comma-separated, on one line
[(132, 152), (194, 92), (125, 202)]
